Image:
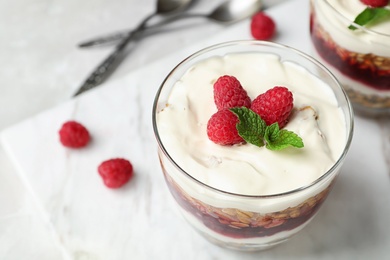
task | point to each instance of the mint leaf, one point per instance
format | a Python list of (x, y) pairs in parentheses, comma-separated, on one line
[(277, 139), (254, 130), (251, 127), (369, 15)]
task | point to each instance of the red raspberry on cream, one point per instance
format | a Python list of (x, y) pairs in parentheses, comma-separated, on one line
[(375, 3), (274, 105), (229, 93), (221, 128)]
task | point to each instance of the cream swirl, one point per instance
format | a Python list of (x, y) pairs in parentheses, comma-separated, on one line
[(247, 169)]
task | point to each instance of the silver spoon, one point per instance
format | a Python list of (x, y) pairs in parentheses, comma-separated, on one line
[(104, 69), (164, 7), (227, 12)]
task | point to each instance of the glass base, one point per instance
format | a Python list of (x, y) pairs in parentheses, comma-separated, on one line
[(244, 247)]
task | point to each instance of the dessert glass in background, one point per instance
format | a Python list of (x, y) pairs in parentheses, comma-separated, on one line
[(236, 196), (360, 58)]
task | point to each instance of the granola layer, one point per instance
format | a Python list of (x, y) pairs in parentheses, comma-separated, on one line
[(371, 71), (237, 223)]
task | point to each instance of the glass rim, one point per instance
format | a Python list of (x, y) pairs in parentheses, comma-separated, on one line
[(261, 43), (363, 28)]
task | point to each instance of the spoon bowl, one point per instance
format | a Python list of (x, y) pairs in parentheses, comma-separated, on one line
[(233, 11), (171, 6), (164, 7), (228, 12)]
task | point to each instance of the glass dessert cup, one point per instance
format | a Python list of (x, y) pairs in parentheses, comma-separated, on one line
[(360, 58), (240, 221)]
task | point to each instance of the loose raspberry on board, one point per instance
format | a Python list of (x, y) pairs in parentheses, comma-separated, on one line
[(74, 135), (116, 172), (262, 26)]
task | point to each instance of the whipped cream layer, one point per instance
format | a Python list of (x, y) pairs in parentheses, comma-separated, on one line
[(375, 39), (248, 169)]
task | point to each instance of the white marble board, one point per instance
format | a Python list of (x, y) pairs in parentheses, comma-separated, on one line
[(90, 221)]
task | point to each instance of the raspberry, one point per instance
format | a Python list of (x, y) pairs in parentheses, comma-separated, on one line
[(74, 135), (229, 93), (115, 172), (274, 105), (262, 26), (221, 128), (375, 3)]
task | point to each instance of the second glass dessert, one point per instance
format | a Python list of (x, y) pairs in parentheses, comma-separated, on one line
[(359, 57), (243, 196)]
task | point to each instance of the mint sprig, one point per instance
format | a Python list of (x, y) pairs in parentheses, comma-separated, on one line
[(277, 139), (370, 15), (250, 126), (254, 130)]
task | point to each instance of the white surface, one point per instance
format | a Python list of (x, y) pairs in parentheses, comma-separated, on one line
[(67, 213), (42, 67)]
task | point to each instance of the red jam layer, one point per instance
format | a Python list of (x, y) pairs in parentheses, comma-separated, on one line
[(365, 68)]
